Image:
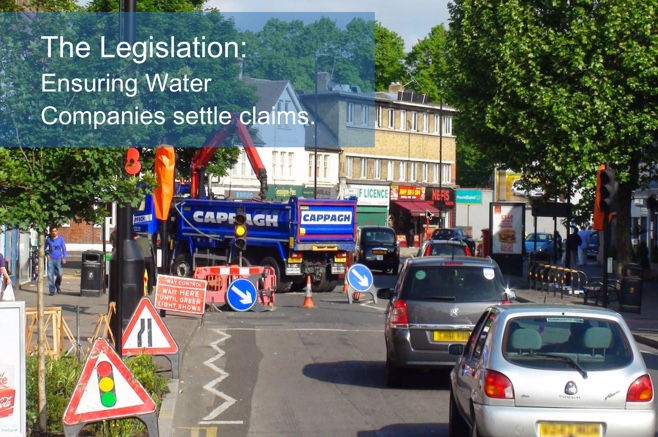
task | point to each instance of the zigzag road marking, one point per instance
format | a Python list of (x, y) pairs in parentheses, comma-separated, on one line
[(212, 385)]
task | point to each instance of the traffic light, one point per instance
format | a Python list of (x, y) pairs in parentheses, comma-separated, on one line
[(106, 384), (607, 190), (240, 230)]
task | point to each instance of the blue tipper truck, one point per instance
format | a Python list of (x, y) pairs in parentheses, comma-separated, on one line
[(297, 238)]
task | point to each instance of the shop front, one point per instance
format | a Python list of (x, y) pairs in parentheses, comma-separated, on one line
[(443, 199), (409, 213), (372, 204), (283, 192)]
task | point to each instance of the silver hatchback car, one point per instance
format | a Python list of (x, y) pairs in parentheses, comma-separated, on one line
[(559, 370), (433, 308)]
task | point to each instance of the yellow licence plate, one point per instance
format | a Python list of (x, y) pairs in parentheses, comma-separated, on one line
[(451, 335), (569, 429), (379, 252)]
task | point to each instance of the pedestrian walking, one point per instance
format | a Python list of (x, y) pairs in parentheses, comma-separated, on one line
[(146, 250), (411, 232), (558, 244), (56, 255), (582, 248), (573, 242), (6, 280)]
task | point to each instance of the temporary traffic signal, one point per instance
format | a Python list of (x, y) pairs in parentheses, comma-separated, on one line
[(240, 230), (607, 190), (106, 384)]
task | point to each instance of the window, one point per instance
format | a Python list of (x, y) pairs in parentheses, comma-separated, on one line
[(325, 167), (403, 171), (436, 123), (364, 115), (425, 122), (274, 156), (447, 125), (349, 164), (412, 172), (282, 164), (445, 174), (403, 120), (414, 121), (290, 163), (435, 172), (364, 163), (379, 116), (391, 119), (423, 176), (350, 113), (241, 168), (377, 169), (389, 170), (310, 165)]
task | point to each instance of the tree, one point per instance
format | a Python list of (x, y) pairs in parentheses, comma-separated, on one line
[(389, 57), (554, 90)]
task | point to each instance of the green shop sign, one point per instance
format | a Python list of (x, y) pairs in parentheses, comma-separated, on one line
[(469, 196)]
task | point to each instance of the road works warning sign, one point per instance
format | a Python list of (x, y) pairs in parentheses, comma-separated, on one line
[(147, 333), (106, 389), (185, 295)]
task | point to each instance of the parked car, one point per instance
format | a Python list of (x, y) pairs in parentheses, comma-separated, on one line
[(454, 234), (519, 190), (432, 310), (377, 248), (545, 242), (444, 247), (557, 370)]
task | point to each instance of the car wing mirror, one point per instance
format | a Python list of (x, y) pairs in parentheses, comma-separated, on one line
[(385, 293)]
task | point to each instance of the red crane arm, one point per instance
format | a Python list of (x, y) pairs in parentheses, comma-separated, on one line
[(204, 155)]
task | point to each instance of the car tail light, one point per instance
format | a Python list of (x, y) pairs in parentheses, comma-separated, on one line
[(467, 251), (399, 315), (497, 385), (428, 250), (361, 255), (641, 390)]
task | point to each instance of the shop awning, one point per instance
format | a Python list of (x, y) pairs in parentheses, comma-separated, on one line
[(417, 207)]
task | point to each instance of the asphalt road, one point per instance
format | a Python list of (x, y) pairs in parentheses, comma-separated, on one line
[(307, 371)]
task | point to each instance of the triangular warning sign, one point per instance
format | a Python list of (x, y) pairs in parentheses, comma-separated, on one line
[(146, 333), (106, 390)]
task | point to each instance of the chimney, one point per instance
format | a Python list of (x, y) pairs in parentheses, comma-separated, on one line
[(323, 79), (395, 87)]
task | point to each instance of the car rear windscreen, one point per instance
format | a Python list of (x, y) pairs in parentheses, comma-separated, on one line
[(453, 283), (380, 236)]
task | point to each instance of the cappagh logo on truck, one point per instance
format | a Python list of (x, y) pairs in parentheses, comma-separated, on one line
[(325, 218), (267, 220)]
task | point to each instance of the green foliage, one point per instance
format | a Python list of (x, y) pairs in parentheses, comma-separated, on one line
[(62, 377), (538, 84)]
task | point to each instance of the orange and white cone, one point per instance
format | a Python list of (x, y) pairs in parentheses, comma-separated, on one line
[(308, 299)]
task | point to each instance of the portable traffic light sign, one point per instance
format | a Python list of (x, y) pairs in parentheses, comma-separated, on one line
[(106, 385), (240, 230), (607, 190), (133, 166)]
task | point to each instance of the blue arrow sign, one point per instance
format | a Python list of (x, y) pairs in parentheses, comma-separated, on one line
[(359, 277), (241, 295)]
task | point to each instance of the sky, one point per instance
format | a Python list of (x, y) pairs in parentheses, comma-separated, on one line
[(411, 19)]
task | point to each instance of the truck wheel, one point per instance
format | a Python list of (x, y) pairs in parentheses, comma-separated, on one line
[(282, 284), (321, 286), (183, 265)]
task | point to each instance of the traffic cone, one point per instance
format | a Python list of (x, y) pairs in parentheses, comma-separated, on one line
[(308, 299)]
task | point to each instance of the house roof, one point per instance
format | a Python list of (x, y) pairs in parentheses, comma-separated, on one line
[(269, 92)]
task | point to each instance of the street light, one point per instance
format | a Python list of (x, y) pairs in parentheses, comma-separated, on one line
[(315, 134)]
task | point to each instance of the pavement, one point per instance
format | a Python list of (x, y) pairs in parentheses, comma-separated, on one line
[(82, 314)]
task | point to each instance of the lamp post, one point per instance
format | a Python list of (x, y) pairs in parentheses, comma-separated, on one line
[(315, 133), (441, 160)]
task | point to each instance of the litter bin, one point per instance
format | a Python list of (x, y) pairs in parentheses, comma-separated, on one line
[(92, 273), (630, 295)]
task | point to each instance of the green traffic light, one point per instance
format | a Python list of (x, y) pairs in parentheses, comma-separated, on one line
[(109, 399)]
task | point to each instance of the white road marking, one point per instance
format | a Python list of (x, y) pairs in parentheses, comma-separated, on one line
[(211, 386)]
